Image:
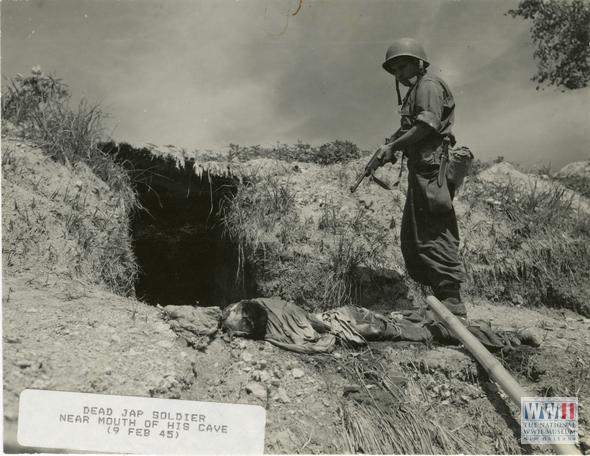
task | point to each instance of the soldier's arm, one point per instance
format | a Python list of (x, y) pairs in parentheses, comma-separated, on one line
[(419, 131)]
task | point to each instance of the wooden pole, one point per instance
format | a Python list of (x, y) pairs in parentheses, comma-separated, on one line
[(491, 365)]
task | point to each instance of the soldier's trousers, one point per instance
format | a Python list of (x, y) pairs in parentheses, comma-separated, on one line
[(430, 242)]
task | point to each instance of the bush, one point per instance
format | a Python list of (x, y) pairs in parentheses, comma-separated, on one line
[(40, 104), (327, 154), (26, 97)]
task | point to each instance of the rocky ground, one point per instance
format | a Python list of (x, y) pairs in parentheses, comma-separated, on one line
[(69, 338), (64, 335)]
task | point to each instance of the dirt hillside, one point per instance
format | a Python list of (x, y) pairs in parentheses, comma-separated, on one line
[(63, 331)]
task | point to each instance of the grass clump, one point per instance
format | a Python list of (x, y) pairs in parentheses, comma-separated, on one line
[(530, 246), (355, 250), (321, 261), (72, 221), (26, 97), (579, 184), (385, 418), (261, 219), (40, 106)]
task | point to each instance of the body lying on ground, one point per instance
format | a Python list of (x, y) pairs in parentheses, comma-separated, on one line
[(292, 328)]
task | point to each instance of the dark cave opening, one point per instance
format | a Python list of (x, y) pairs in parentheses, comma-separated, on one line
[(180, 248), (184, 259), (178, 241)]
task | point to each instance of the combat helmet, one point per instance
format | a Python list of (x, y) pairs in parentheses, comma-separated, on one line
[(404, 47)]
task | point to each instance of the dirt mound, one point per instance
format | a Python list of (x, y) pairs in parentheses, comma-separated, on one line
[(576, 169), (63, 223), (64, 330), (503, 174)]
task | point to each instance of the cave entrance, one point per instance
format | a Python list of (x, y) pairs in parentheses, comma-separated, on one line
[(178, 240), (184, 260)]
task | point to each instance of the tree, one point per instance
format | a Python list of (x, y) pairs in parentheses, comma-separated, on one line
[(560, 34)]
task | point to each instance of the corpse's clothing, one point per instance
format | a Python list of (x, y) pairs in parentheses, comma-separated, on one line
[(429, 233), (292, 328)]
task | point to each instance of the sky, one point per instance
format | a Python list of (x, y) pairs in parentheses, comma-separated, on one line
[(202, 74)]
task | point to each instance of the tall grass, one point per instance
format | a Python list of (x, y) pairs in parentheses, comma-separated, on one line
[(24, 97), (518, 245), (39, 106), (261, 219), (391, 421), (532, 242), (353, 246), (254, 216), (317, 263)]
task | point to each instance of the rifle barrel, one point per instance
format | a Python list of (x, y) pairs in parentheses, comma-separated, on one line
[(358, 182)]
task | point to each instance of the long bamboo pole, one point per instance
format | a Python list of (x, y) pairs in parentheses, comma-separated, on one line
[(491, 365)]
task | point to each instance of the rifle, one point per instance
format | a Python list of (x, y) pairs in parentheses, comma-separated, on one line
[(373, 164), (370, 172)]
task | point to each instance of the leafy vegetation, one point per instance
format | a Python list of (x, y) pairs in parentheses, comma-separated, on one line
[(327, 154), (40, 105), (560, 35), (26, 97)]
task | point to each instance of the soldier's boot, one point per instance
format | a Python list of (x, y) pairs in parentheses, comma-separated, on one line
[(450, 297)]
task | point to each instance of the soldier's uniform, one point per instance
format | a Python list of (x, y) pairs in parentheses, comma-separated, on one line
[(429, 233)]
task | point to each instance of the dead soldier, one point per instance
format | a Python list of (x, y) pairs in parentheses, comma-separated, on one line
[(429, 233)]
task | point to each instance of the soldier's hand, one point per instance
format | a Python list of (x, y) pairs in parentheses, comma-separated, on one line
[(386, 155)]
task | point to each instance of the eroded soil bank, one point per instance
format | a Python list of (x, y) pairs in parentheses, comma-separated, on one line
[(62, 333)]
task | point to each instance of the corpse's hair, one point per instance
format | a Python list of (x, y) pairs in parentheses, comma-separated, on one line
[(257, 315)]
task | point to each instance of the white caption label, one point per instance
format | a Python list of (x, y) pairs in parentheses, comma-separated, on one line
[(124, 424)]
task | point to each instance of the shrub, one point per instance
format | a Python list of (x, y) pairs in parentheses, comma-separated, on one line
[(337, 152), (27, 96), (327, 154)]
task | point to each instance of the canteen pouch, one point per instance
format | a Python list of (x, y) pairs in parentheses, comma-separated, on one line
[(458, 166)]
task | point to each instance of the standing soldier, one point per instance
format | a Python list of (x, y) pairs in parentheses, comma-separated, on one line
[(429, 233)]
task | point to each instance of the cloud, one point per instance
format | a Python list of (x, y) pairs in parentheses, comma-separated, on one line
[(200, 74), (551, 126)]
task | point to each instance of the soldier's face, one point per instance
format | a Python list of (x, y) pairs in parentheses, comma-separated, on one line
[(404, 70)]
